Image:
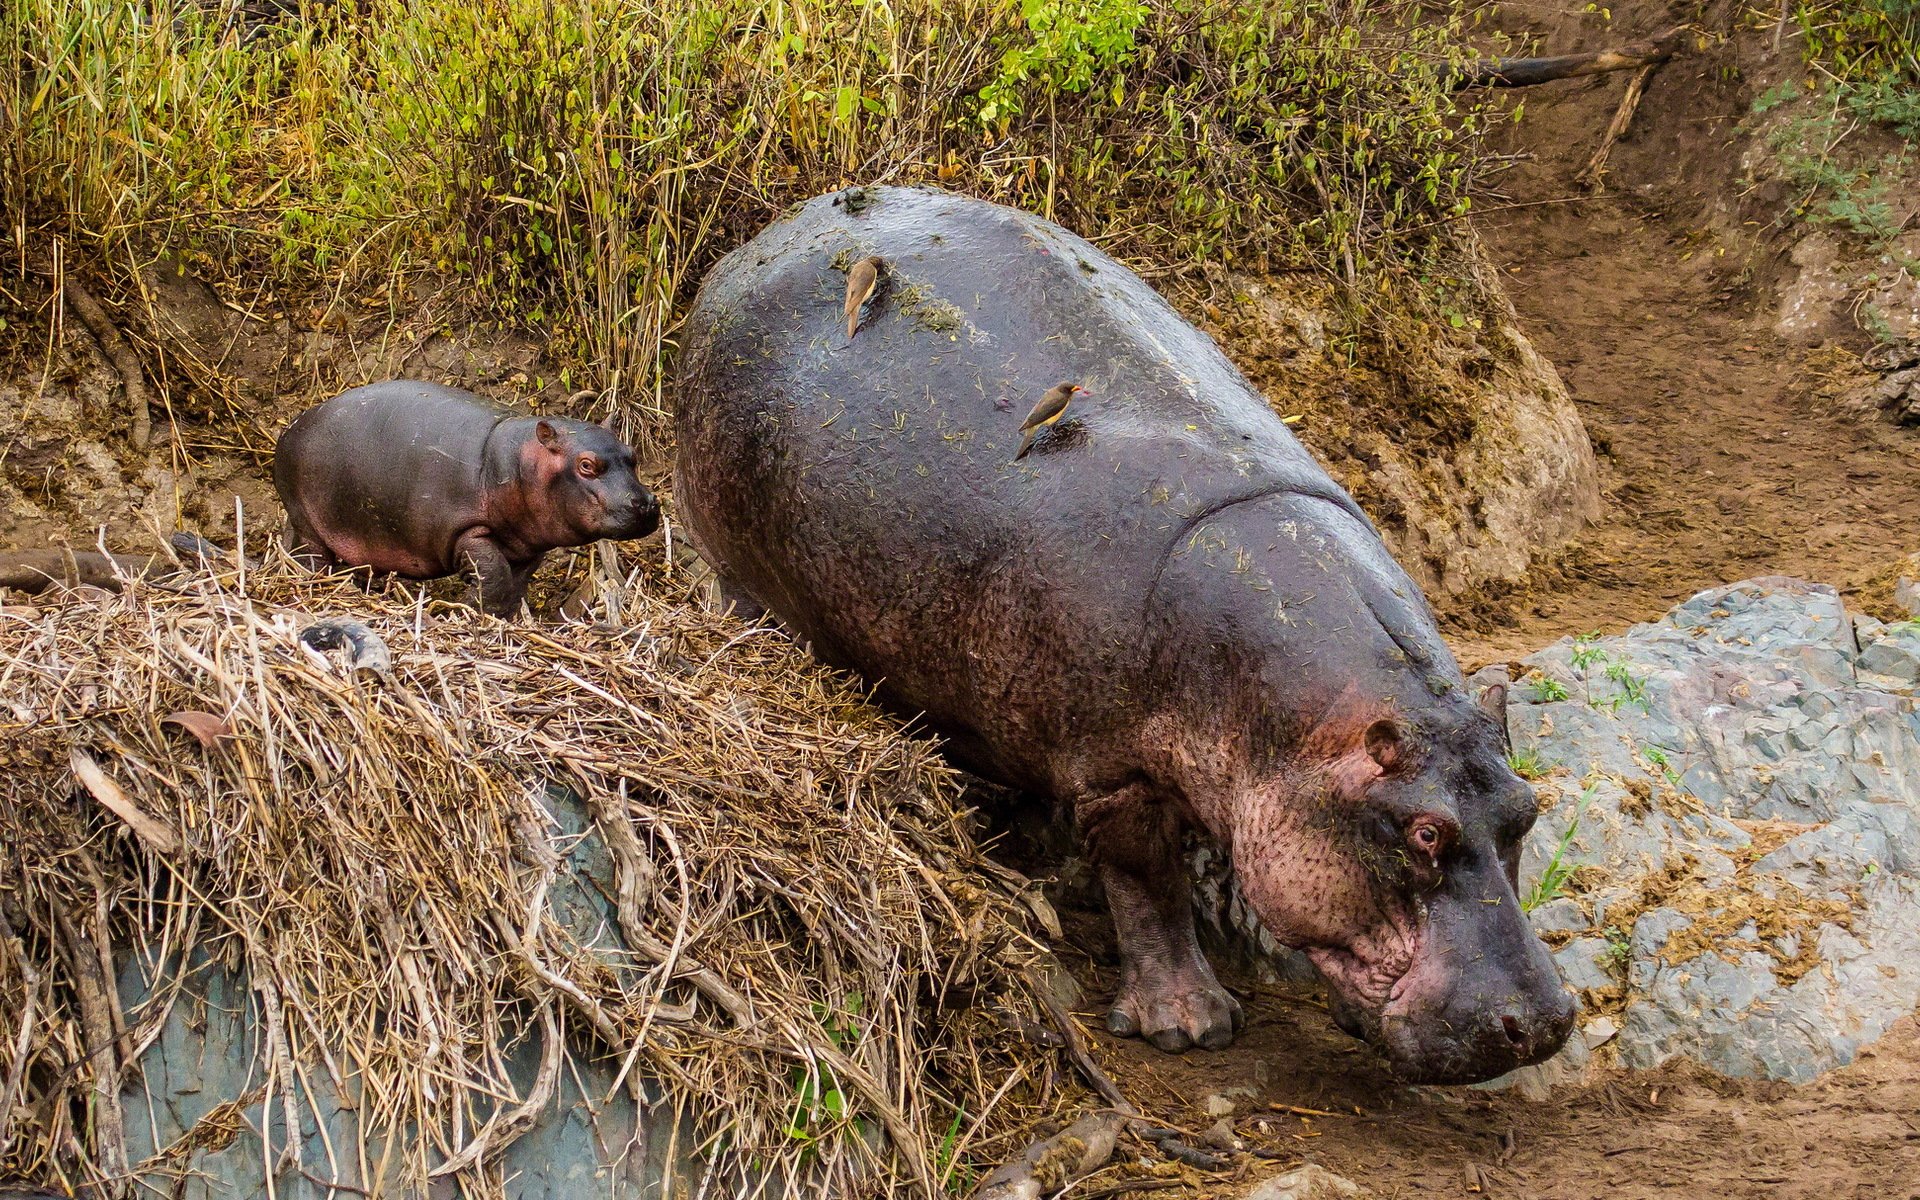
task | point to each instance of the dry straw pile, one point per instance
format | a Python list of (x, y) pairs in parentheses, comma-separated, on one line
[(814, 964)]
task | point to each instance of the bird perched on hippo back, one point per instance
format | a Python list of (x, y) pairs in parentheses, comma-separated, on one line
[(419, 480), (1050, 408), (863, 282), (1181, 624)]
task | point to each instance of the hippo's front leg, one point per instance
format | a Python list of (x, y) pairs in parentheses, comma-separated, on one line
[(1168, 993), (498, 583)]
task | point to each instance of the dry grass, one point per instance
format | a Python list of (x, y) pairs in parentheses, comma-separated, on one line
[(798, 904)]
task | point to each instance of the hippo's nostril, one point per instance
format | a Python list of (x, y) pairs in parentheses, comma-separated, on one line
[(1515, 1034)]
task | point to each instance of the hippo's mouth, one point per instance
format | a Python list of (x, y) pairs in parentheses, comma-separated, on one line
[(1372, 973)]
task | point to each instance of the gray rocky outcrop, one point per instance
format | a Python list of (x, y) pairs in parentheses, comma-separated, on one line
[(1730, 863)]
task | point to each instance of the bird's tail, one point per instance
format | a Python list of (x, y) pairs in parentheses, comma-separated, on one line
[(1026, 443)]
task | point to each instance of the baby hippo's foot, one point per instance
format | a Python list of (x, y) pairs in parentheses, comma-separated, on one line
[(1176, 1010)]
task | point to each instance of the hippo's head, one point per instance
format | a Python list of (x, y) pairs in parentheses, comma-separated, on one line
[(590, 488), (1398, 877)]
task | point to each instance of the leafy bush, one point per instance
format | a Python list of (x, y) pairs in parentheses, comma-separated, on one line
[(580, 165)]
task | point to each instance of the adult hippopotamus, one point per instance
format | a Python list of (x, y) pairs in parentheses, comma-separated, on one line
[(1166, 616), (420, 480)]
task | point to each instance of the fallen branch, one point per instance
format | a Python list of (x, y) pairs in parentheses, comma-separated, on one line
[(121, 355), (1525, 72), (1591, 175), (1168, 1141), (34, 571), (1050, 1165)]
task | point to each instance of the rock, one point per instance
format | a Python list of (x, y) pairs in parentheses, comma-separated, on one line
[(1220, 1136), (1810, 306), (1225, 1104), (1309, 1182), (591, 1138), (1758, 713), (1906, 586)]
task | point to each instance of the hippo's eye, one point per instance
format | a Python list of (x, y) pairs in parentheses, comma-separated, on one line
[(1430, 835), (589, 466)]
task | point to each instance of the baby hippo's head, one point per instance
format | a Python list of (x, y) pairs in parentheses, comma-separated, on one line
[(592, 489)]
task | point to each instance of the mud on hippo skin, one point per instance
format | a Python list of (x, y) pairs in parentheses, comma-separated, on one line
[(1166, 617), (422, 481)]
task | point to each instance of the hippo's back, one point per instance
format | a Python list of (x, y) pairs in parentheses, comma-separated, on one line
[(865, 491), (389, 474)]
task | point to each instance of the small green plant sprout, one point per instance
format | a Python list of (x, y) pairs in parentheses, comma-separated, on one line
[(1659, 760), (1629, 689), (1544, 689), (1527, 763), (1619, 947), (819, 1101), (1554, 879), (1585, 653), (956, 1178)]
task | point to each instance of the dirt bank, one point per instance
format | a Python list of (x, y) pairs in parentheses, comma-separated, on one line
[(1722, 450)]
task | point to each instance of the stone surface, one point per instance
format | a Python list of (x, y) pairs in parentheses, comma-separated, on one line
[(1309, 1182), (207, 1061), (1736, 789)]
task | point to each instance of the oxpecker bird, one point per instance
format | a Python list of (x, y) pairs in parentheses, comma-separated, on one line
[(1051, 408), (862, 279)]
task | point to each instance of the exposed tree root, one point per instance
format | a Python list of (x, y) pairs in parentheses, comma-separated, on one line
[(1592, 176), (1051, 1164), (114, 346), (34, 571), (1526, 72)]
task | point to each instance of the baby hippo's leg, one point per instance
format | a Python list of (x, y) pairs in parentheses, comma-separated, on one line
[(498, 584), (1168, 993)]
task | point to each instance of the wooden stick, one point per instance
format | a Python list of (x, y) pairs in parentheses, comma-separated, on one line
[(34, 571), (1590, 176), (1051, 1164), (121, 355), (1526, 72)]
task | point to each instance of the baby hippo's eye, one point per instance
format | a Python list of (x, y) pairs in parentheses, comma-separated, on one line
[(589, 466)]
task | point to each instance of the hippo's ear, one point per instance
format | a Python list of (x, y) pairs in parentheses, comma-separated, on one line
[(548, 435), (1494, 700), (1385, 744)]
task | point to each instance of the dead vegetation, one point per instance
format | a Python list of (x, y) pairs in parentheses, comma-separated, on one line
[(801, 949)]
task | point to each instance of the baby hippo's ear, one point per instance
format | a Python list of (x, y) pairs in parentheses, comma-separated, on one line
[(607, 425), (548, 435)]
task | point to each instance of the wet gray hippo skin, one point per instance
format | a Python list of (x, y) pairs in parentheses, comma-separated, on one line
[(1166, 616), (420, 480)]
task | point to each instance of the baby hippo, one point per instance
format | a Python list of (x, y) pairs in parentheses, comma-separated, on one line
[(419, 480)]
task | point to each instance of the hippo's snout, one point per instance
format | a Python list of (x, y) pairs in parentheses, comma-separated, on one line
[(630, 513), (1477, 1036), (1482, 996)]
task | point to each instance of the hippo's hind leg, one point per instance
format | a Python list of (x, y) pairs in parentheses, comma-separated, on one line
[(1168, 993), (499, 584)]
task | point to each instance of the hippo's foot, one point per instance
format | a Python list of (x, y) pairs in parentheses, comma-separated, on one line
[(1168, 994), (1177, 1011)]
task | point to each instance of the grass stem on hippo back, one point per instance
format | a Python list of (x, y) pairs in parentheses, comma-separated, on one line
[(1140, 678), (423, 481)]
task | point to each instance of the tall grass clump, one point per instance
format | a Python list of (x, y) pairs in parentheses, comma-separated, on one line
[(578, 163)]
